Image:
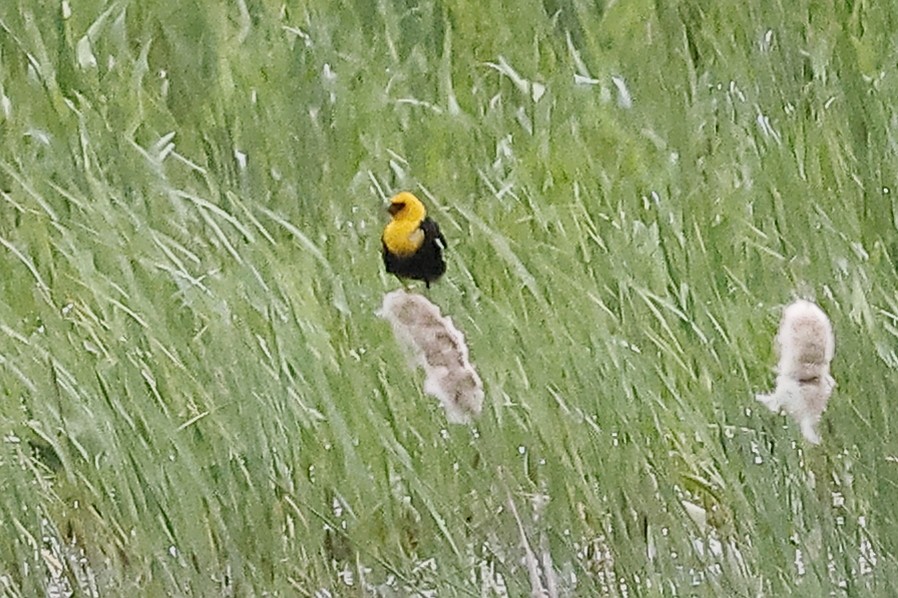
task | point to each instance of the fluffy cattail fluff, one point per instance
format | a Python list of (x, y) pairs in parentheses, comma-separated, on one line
[(438, 347), (805, 344)]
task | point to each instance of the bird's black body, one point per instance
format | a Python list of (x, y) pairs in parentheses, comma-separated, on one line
[(426, 263)]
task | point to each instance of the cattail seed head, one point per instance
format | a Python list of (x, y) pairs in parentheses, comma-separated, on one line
[(806, 345), (439, 348)]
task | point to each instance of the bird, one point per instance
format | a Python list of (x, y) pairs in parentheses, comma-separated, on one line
[(412, 243)]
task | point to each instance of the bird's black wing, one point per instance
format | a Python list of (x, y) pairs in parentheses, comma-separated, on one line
[(432, 231)]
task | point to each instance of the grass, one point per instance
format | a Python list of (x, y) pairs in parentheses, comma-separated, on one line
[(199, 400)]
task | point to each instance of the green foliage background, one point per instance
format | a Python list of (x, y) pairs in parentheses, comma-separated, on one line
[(197, 397)]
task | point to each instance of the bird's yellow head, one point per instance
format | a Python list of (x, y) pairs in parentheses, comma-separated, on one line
[(405, 207)]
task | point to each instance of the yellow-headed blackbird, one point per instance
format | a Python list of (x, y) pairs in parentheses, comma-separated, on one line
[(413, 243)]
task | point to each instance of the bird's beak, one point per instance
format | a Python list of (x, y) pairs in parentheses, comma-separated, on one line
[(395, 208)]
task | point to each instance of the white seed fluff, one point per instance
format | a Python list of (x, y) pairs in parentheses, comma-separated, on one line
[(806, 345), (439, 348)]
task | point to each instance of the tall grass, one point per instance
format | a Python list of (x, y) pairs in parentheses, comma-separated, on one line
[(197, 396)]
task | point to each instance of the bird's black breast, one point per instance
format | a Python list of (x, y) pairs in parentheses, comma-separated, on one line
[(427, 263)]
